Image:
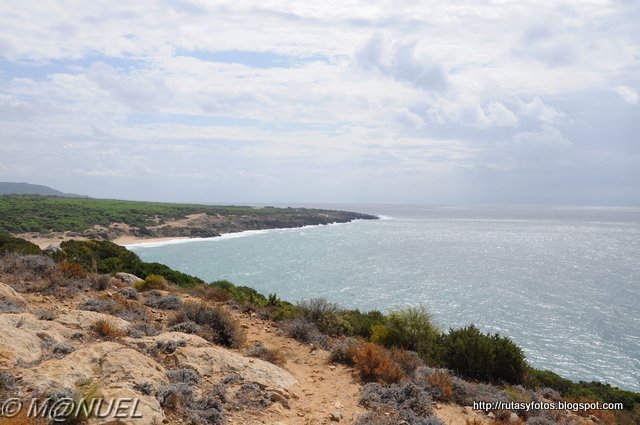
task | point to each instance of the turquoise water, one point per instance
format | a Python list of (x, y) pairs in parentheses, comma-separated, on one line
[(563, 283)]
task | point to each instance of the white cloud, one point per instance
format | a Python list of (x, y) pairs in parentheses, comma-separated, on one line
[(365, 89), (546, 136), (629, 94)]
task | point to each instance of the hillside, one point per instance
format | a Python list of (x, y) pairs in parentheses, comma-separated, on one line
[(12, 188), (57, 218), (225, 354)]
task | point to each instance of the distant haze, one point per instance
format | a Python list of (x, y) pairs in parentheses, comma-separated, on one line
[(395, 102)]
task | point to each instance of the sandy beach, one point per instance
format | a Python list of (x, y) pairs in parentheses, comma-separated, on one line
[(45, 241)]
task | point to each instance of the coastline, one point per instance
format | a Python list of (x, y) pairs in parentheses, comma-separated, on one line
[(129, 240)]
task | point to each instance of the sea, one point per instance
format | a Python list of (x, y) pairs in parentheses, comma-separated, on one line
[(561, 282)]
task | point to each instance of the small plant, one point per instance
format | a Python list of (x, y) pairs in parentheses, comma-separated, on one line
[(187, 376), (345, 351), (408, 361), (375, 364), (10, 306), (129, 293), (145, 388), (187, 327), (94, 304), (217, 324), (43, 314), (441, 384), (267, 354), (171, 345), (152, 281), (302, 330), (173, 395), (106, 328), (171, 302), (61, 349), (71, 270)]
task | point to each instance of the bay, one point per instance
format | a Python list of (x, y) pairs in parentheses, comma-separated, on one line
[(563, 283)]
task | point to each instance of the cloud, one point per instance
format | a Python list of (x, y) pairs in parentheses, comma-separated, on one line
[(403, 61), (545, 137), (304, 101), (629, 94)]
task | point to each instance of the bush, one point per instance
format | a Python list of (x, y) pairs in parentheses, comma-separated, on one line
[(10, 244), (408, 361), (34, 265), (224, 329), (408, 401), (101, 306), (438, 382), (321, 313), (410, 329), (355, 323), (187, 376), (71, 270), (187, 327), (106, 328), (173, 395), (152, 281), (267, 354), (375, 364), (129, 293), (170, 302), (171, 345), (302, 330), (344, 351), (45, 314), (206, 411), (10, 306), (62, 349), (485, 357)]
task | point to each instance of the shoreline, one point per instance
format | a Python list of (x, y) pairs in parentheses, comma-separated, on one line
[(128, 240)]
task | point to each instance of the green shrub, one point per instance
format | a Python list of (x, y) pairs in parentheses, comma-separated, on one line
[(410, 329), (9, 244), (242, 294), (108, 257), (355, 323), (490, 358), (153, 281)]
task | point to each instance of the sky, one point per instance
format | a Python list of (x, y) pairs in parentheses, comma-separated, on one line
[(447, 102)]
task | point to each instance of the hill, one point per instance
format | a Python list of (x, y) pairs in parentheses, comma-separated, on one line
[(105, 219), (12, 188)]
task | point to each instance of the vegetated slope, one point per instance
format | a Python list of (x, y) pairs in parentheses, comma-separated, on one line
[(75, 332), (12, 188), (21, 214)]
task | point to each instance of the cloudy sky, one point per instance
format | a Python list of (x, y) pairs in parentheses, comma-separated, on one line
[(461, 101)]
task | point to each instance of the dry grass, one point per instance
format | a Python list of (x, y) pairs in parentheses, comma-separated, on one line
[(71, 270), (442, 380), (375, 364), (106, 328), (271, 355)]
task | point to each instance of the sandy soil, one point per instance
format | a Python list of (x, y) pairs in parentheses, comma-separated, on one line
[(44, 242)]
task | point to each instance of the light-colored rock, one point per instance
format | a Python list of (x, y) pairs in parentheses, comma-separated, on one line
[(114, 367), (9, 294), (23, 336), (85, 319), (467, 410), (513, 418), (336, 416), (210, 360), (128, 278)]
